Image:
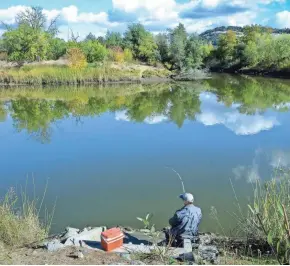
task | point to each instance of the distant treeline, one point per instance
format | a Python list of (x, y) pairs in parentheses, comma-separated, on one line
[(35, 39)]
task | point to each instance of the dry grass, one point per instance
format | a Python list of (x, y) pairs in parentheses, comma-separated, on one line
[(20, 224)]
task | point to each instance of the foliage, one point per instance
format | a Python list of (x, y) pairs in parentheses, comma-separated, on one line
[(147, 221), (178, 39), (141, 43), (270, 214), (90, 37), (117, 54), (76, 58), (226, 47), (25, 44), (22, 227), (128, 55), (163, 47), (56, 48), (94, 51), (113, 39)]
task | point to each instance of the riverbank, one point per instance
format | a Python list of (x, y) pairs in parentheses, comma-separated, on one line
[(140, 248), (63, 75), (255, 72)]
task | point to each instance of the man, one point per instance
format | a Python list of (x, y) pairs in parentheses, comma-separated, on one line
[(184, 223)]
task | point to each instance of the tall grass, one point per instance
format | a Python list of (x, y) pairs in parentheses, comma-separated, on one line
[(54, 75), (270, 213), (20, 222)]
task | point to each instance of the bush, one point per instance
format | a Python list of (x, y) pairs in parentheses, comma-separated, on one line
[(94, 51), (117, 54), (18, 228), (270, 212), (128, 55), (76, 58)]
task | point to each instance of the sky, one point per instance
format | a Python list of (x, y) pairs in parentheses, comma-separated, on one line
[(99, 16)]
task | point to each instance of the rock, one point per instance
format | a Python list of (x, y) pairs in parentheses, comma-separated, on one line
[(53, 245), (80, 255), (145, 231), (205, 239), (137, 262), (125, 256), (208, 253), (69, 232), (86, 235)]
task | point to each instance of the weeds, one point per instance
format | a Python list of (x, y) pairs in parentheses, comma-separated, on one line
[(147, 222), (20, 224), (270, 212)]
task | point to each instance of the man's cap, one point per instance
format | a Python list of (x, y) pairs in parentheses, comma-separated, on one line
[(187, 197)]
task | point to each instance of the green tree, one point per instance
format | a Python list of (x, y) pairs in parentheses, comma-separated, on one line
[(196, 51), (90, 37), (163, 47), (36, 19), (56, 48), (226, 50), (178, 39), (94, 51), (113, 39), (141, 43), (25, 44)]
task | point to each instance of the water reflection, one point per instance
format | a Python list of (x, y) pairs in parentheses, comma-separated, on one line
[(240, 104)]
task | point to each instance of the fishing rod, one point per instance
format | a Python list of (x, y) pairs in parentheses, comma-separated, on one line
[(182, 184)]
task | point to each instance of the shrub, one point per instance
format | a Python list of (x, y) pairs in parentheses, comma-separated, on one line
[(20, 227), (94, 51), (128, 55), (76, 58)]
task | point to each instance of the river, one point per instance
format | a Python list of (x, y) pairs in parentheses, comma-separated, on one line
[(104, 151)]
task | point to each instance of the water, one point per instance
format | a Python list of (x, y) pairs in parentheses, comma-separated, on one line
[(104, 151)]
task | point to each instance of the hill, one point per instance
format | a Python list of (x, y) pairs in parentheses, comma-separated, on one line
[(213, 34)]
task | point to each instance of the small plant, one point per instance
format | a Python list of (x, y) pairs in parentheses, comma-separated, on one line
[(76, 58), (147, 221)]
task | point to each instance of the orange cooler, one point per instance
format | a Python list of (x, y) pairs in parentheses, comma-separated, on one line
[(112, 239)]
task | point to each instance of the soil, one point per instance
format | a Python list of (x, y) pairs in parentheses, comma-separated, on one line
[(66, 256)]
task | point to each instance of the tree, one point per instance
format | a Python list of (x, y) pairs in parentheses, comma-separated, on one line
[(178, 38), (195, 52), (141, 43), (94, 51), (163, 47), (226, 47), (56, 48), (90, 37), (36, 19), (113, 39), (25, 44)]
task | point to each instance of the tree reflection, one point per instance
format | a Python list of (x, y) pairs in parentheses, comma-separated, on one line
[(176, 102)]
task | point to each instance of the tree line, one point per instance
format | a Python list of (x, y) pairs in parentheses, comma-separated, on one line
[(35, 38)]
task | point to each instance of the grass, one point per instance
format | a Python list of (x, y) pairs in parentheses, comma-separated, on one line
[(20, 222), (56, 75)]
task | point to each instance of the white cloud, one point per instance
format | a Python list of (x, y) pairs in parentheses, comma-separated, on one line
[(214, 113), (8, 15), (283, 19), (151, 120), (161, 10), (280, 159)]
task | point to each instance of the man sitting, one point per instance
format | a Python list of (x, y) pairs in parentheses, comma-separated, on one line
[(184, 223)]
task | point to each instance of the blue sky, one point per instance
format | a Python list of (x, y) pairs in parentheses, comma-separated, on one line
[(98, 16)]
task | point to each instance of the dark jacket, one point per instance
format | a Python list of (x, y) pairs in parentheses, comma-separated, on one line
[(185, 222)]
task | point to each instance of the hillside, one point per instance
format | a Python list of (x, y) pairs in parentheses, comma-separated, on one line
[(213, 34)]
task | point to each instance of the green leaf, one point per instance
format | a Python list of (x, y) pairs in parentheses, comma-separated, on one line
[(270, 238), (140, 219), (251, 209), (280, 208)]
